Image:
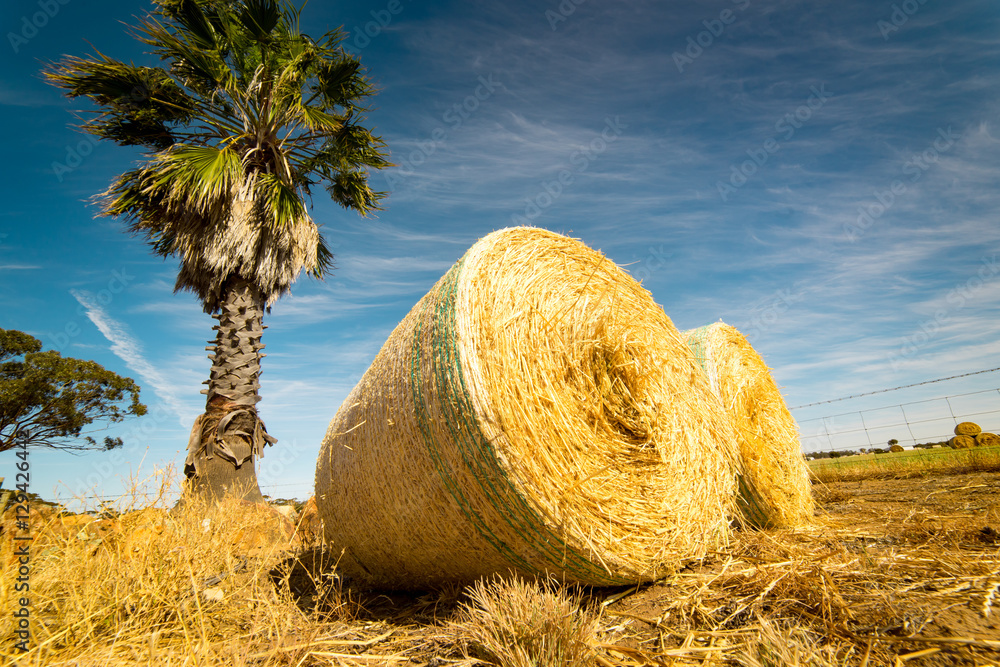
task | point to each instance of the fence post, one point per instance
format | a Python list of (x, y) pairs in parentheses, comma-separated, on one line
[(867, 434)]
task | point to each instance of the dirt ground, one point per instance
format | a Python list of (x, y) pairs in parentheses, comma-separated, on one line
[(893, 568), (893, 572)]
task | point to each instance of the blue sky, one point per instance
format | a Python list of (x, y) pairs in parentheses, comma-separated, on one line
[(821, 175)]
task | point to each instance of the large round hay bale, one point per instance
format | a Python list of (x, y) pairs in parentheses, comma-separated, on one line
[(968, 428), (775, 488), (962, 442), (537, 413), (985, 439), (895, 449)]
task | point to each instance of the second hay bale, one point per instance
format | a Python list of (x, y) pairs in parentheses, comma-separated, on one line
[(968, 428), (775, 489), (985, 439), (535, 412), (962, 442)]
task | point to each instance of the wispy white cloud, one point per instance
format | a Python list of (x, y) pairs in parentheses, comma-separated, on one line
[(129, 350)]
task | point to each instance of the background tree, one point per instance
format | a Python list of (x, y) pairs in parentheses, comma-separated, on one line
[(46, 399), (250, 115)]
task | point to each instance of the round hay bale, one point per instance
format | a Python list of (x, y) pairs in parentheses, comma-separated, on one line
[(775, 489), (985, 439), (895, 449), (962, 442), (968, 428), (536, 413)]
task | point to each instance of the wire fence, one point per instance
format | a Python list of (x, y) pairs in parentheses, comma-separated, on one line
[(918, 422)]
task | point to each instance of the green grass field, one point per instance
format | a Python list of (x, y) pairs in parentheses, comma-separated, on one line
[(909, 463)]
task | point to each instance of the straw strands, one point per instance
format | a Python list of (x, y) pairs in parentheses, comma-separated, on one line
[(962, 442), (968, 428), (535, 412), (985, 439), (774, 486)]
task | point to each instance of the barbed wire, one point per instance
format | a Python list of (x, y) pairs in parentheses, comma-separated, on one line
[(307, 488), (905, 386)]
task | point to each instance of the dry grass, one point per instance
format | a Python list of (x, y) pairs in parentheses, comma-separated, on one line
[(151, 586), (536, 411), (775, 491), (917, 581), (517, 623), (832, 595), (909, 463)]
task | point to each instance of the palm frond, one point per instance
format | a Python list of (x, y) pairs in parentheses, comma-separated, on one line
[(198, 177), (189, 15), (339, 82), (324, 260), (259, 18), (350, 190), (246, 115), (318, 120), (282, 201), (140, 103)]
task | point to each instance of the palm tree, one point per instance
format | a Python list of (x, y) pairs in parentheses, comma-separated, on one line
[(250, 115)]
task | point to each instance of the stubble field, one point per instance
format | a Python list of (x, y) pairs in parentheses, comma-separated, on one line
[(897, 569)]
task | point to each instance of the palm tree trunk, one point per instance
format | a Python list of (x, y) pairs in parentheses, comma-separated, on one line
[(226, 441)]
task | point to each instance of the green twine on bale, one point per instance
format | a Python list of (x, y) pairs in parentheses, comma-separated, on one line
[(478, 454), (537, 413)]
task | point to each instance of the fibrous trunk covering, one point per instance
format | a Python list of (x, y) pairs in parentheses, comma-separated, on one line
[(230, 436)]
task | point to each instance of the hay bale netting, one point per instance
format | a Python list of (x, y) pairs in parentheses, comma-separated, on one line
[(968, 428), (774, 487), (536, 412), (962, 442), (985, 439)]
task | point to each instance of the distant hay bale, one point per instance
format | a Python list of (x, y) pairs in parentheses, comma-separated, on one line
[(968, 428), (775, 488), (985, 439), (962, 442), (536, 412), (896, 448)]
